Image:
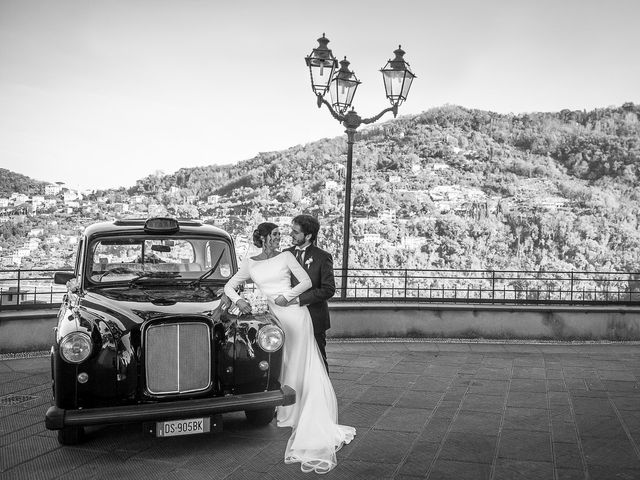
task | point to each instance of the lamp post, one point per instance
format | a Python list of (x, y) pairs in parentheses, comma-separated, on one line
[(342, 85)]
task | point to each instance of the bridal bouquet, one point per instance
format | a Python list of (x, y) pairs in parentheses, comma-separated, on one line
[(257, 301)]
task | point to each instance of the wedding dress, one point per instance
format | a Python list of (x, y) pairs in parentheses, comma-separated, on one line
[(316, 435)]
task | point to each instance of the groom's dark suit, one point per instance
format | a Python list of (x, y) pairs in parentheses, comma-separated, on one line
[(319, 266)]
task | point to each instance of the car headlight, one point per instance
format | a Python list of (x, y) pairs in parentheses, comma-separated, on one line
[(75, 347), (270, 338)]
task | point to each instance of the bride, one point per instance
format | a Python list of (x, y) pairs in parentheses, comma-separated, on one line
[(316, 435)]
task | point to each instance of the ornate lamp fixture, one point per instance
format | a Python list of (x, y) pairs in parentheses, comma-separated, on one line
[(321, 65), (397, 78), (342, 85)]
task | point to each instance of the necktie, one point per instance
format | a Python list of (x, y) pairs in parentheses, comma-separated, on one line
[(300, 256)]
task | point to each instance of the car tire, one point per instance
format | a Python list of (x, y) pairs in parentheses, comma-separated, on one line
[(260, 417), (70, 435)]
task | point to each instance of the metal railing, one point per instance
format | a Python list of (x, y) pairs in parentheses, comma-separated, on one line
[(30, 288), (492, 286), (34, 288)]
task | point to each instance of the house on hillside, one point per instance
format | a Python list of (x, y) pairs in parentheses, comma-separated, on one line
[(18, 198), (412, 242), (70, 196), (370, 238), (52, 189), (552, 203), (387, 215), (281, 220)]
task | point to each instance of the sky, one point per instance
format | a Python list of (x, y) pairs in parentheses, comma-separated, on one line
[(99, 94)]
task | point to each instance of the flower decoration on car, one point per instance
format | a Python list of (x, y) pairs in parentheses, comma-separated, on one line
[(257, 301)]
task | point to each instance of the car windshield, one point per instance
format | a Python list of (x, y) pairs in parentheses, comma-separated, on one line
[(147, 259)]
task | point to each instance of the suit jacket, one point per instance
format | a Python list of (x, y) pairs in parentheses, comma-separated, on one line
[(319, 266)]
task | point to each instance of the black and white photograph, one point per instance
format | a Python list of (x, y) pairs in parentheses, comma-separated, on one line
[(368, 240)]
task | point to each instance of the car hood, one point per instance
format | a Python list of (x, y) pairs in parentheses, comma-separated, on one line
[(133, 307)]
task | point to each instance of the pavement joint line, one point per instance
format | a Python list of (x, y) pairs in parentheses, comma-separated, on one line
[(446, 433), (494, 461), (417, 439), (583, 457), (624, 426), (546, 394)]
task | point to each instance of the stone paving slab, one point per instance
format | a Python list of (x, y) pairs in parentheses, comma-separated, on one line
[(423, 409)]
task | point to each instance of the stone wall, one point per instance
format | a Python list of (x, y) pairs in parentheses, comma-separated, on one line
[(22, 331)]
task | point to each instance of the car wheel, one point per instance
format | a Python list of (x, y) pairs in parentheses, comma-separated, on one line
[(260, 417), (70, 435)]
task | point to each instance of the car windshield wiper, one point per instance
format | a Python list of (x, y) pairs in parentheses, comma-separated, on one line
[(135, 279), (208, 273)]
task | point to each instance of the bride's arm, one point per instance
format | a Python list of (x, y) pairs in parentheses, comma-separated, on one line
[(241, 276), (300, 274)]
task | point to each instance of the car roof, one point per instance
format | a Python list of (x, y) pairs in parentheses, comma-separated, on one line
[(135, 226)]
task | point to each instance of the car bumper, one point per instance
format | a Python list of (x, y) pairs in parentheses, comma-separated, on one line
[(57, 418)]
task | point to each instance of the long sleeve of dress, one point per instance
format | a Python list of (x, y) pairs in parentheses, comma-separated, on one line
[(241, 276), (299, 273)]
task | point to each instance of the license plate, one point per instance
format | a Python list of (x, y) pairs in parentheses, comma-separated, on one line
[(191, 426)]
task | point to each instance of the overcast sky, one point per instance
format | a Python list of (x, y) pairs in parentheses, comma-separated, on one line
[(102, 93)]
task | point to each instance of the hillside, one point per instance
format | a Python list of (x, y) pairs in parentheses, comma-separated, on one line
[(470, 188), (449, 188), (11, 182)]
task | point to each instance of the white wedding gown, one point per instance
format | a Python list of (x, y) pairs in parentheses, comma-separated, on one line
[(316, 435)]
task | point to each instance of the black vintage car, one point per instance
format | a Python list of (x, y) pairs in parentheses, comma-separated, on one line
[(142, 335)]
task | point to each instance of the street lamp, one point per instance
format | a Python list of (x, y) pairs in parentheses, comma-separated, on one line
[(342, 85)]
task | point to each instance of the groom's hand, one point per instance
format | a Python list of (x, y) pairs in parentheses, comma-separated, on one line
[(281, 301)]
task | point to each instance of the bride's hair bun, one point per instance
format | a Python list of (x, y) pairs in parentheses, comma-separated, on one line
[(263, 230), (257, 239)]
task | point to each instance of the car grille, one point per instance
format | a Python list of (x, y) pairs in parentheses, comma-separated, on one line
[(177, 357)]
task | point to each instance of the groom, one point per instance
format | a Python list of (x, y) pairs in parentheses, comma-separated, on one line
[(319, 266)]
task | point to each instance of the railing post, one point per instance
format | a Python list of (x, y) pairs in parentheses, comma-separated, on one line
[(493, 285), (571, 287), (18, 297), (405, 283)]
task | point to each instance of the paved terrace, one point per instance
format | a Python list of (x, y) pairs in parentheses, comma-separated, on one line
[(424, 409)]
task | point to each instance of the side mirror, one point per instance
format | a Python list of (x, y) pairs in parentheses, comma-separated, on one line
[(61, 278)]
